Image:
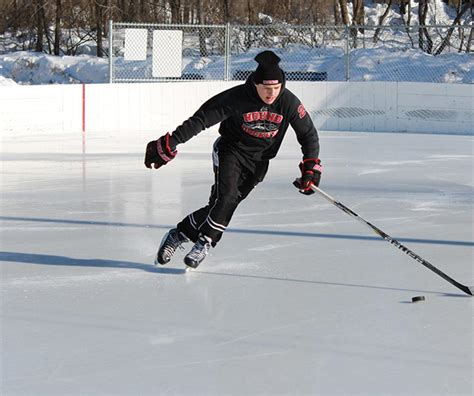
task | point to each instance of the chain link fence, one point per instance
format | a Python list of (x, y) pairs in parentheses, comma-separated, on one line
[(163, 52)]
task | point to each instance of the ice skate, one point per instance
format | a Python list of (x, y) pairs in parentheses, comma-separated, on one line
[(171, 241), (199, 252)]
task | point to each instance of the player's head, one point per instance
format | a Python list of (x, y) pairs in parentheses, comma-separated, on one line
[(268, 78)]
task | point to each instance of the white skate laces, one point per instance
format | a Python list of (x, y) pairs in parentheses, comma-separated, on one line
[(198, 252), (171, 241)]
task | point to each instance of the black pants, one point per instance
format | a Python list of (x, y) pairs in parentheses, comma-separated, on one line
[(232, 183)]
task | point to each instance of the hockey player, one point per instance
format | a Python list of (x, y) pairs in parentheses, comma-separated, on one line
[(254, 118)]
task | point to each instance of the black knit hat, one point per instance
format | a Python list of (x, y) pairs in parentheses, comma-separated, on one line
[(268, 72)]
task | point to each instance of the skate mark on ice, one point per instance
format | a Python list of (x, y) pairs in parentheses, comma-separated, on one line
[(305, 321), (221, 360), (264, 331)]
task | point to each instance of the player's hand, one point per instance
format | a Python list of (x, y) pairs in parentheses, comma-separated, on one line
[(159, 152), (310, 175)]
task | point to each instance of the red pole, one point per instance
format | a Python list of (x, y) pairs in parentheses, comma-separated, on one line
[(83, 107)]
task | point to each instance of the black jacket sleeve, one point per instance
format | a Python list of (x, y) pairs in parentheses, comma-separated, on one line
[(215, 110), (306, 132)]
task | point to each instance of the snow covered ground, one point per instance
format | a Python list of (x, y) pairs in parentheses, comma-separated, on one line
[(298, 298), (31, 68)]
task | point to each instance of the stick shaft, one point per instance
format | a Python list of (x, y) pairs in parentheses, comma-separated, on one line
[(388, 238)]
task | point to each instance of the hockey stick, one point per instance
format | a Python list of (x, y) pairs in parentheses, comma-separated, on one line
[(388, 238)]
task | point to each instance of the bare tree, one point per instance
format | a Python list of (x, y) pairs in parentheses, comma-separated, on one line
[(337, 12), (175, 6), (456, 21), (344, 12), (381, 20), (225, 10), (10, 15), (132, 10), (359, 13), (405, 9), (57, 28), (75, 25), (99, 9), (357, 20), (470, 40), (202, 32), (471, 34), (426, 46), (40, 16)]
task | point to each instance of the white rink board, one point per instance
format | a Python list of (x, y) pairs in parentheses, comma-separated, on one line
[(40, 109), (160, 107)]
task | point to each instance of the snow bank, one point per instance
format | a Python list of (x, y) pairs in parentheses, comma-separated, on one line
[(32, 68)]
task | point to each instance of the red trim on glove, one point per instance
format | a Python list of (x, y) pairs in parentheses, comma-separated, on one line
[(317, 166), (167, 140), (165, 152)]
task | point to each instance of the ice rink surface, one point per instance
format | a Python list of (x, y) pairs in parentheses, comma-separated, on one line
[(297, 299)]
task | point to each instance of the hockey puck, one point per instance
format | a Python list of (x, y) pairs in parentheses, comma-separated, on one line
[(418, 298)]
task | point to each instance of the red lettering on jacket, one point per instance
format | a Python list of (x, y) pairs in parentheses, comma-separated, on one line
[(263, 116), (301, 110)]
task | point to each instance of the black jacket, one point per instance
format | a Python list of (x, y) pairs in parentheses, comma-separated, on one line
[(249, 127)]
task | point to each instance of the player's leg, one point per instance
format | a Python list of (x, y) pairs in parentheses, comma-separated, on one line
[(212, 221)]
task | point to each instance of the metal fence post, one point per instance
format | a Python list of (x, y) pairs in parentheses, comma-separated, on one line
[(111, 52)]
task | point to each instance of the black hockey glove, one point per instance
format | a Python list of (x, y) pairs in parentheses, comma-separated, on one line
[(159, 152), (310, 175)]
